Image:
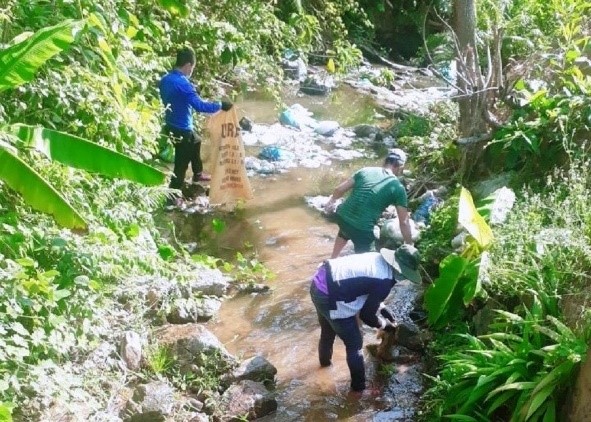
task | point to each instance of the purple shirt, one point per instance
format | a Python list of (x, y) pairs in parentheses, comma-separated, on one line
[(320, 279)]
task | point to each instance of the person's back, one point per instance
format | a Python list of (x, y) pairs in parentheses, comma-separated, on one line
[(375, 189), (178, 108)]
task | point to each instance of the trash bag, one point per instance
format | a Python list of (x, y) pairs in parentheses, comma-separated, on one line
[(286, 118), (165, 150), (229, 181), (275, 153), (423, 212), (270, 153)]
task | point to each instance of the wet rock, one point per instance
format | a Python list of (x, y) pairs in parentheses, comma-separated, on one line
[(194, 404), (418, 316), (257, 368), (409, 336), (249, 288), (484, 317), (193, 310), (188, 341), (199, 417), (245, 124), (247, 398), (131, 350), (209, 282), (365, 131), (318, 84), (151, 402), (327, 128), (393, 415), (390, 235)]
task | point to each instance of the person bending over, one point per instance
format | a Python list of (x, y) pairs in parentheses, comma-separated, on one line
[(352, 285), (373, 189)]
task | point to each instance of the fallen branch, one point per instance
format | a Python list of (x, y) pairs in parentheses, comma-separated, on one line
[(374, 54)]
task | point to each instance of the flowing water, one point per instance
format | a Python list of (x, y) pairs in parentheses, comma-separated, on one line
[(291, 239)]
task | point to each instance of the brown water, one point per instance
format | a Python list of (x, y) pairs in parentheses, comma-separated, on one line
[(291, 239)]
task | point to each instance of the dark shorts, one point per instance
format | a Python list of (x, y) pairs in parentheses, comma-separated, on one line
[(362, 240)]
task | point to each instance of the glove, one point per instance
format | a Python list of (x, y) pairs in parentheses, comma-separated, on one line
[(385, 312), (226, 105)]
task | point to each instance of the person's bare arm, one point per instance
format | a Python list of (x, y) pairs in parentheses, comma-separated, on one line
[(339, 191), (404, 221)]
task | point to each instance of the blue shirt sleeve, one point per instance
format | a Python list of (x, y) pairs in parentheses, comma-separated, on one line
[(195, 101)]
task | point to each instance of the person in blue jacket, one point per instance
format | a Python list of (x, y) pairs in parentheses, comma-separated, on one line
[(180, 99), (357, 284)]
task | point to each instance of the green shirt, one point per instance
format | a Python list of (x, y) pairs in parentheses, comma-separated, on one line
[(374, 190)]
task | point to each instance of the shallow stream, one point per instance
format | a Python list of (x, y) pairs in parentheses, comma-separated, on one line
[(292, 239)]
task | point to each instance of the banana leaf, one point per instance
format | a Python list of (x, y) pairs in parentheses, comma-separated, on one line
[(83, 154), (20, 61), (37, 192), (473, 222), (441, 297)]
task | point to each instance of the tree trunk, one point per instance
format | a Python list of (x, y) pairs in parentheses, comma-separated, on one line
[(473, 90)]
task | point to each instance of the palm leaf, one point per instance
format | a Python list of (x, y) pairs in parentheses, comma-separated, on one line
[(37, 192), (20, 62), (83, 154)]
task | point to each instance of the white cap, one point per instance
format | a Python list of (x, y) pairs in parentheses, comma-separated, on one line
[(398, 155)]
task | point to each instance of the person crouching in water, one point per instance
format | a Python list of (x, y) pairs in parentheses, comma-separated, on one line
[(357, 284)]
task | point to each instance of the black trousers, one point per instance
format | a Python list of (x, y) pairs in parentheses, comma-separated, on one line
[(187, 150)]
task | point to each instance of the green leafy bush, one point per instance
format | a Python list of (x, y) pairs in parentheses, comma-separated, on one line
[(519, 372)]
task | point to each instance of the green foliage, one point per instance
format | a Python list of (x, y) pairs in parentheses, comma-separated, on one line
[(537, 280), (39, 319), (430, 142), (17, 65), (5, 412), (414, 125), (519, 372), (248, 270), (459, 281), (20, 61), (160, 359), (219, 226), (435, 241), (545, 243), (387, 369), (202, 374), (531, 26), (443, 299)]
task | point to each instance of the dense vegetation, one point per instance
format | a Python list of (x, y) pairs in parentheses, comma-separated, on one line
[(57, 288), (89, 69)]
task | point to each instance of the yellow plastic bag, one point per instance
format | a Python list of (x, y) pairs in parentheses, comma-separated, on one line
[(229, 182)]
